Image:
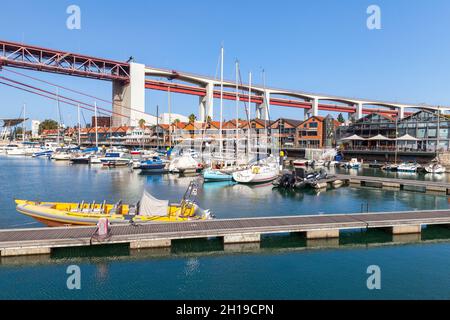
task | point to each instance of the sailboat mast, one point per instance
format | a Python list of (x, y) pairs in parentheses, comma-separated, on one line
[(79, 126), (96, 124), (249, 112), (58, 140), (23, 124), (169, 102), (221, 99), (237, 106), (157, 127), (438, 130)]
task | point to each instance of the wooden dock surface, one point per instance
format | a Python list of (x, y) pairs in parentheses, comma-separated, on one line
[(42, 240)]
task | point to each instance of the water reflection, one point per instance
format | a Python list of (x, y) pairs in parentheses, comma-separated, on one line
[(195, 248)]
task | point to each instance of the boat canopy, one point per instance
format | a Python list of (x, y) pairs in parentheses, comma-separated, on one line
[(95, 149), (150, 206)]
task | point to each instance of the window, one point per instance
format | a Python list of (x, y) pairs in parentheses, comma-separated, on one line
[(313, 125), (432, 133)]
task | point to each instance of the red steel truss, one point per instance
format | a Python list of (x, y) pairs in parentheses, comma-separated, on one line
[(49, 60)]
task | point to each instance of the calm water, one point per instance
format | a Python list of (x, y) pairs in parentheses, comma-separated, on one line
[(284, 267)]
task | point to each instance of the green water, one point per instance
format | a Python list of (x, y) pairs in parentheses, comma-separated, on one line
[(282, 267)]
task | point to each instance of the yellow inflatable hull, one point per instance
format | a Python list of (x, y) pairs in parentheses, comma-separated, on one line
[(55, 214)]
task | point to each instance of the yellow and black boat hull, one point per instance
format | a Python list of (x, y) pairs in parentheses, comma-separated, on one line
[(56, 214)]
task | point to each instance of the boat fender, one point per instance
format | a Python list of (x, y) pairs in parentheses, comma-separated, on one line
[(103, 227), (255, 170)]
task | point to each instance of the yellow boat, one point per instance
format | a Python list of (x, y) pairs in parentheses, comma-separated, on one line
[(148, 209)]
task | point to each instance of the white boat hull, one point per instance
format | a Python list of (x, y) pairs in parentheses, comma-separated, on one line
[(251, 176)]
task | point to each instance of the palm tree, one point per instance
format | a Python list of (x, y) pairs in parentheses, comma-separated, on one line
[(142, 126), (192, 118)]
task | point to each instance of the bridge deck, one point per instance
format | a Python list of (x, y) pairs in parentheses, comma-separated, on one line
[(32, 241)]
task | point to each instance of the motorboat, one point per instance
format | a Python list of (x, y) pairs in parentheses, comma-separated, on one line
[(184, 164), (153, 165), (213, 175), (300, 163), (435, 168), (257, 174), (300, 178), (114, 158), (9, 147), (390, 167), (147, 210), (352, 164), (16, 152), (61, 156), (408, 167), (95, 159), (43, 153), (81, 159), (85, 156)]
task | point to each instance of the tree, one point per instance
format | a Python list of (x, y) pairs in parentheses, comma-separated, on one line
[(142, 123), (341, 118), (176, 121), (192, 118), (48, 124)]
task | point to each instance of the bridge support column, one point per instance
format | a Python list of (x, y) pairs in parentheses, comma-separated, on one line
[(401, 112), (314, 111), (359, 111), (129, 99), (206, 104), (262, 110)]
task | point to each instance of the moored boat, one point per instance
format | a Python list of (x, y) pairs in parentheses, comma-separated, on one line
[(408, 167), (114, 158), (184, 164), (352, 164), (148, 209), (212, 175), (153, 165), (435, 168), (300, 163), (61, 156), (257, 174)]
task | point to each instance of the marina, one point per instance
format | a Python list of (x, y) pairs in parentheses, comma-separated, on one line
[(154, 235), (155, 166)]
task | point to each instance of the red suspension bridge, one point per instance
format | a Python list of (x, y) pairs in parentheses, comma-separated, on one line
[(131, 79)]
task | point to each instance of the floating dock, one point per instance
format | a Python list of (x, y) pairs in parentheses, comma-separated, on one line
[(394, 183), (16, 242)]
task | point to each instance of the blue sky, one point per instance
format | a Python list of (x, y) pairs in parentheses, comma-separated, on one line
[(317, 46)]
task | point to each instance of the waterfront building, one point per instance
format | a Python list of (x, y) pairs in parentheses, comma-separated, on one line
[(101, 121), (287, 131), (313, 133), (35, 128), (425, 132)]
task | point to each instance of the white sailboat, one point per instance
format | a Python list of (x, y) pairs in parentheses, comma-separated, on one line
[(408, 167), (435, 168), (266, 170)]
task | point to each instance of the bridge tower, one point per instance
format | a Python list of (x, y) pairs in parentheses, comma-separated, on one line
[(129, 98)]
